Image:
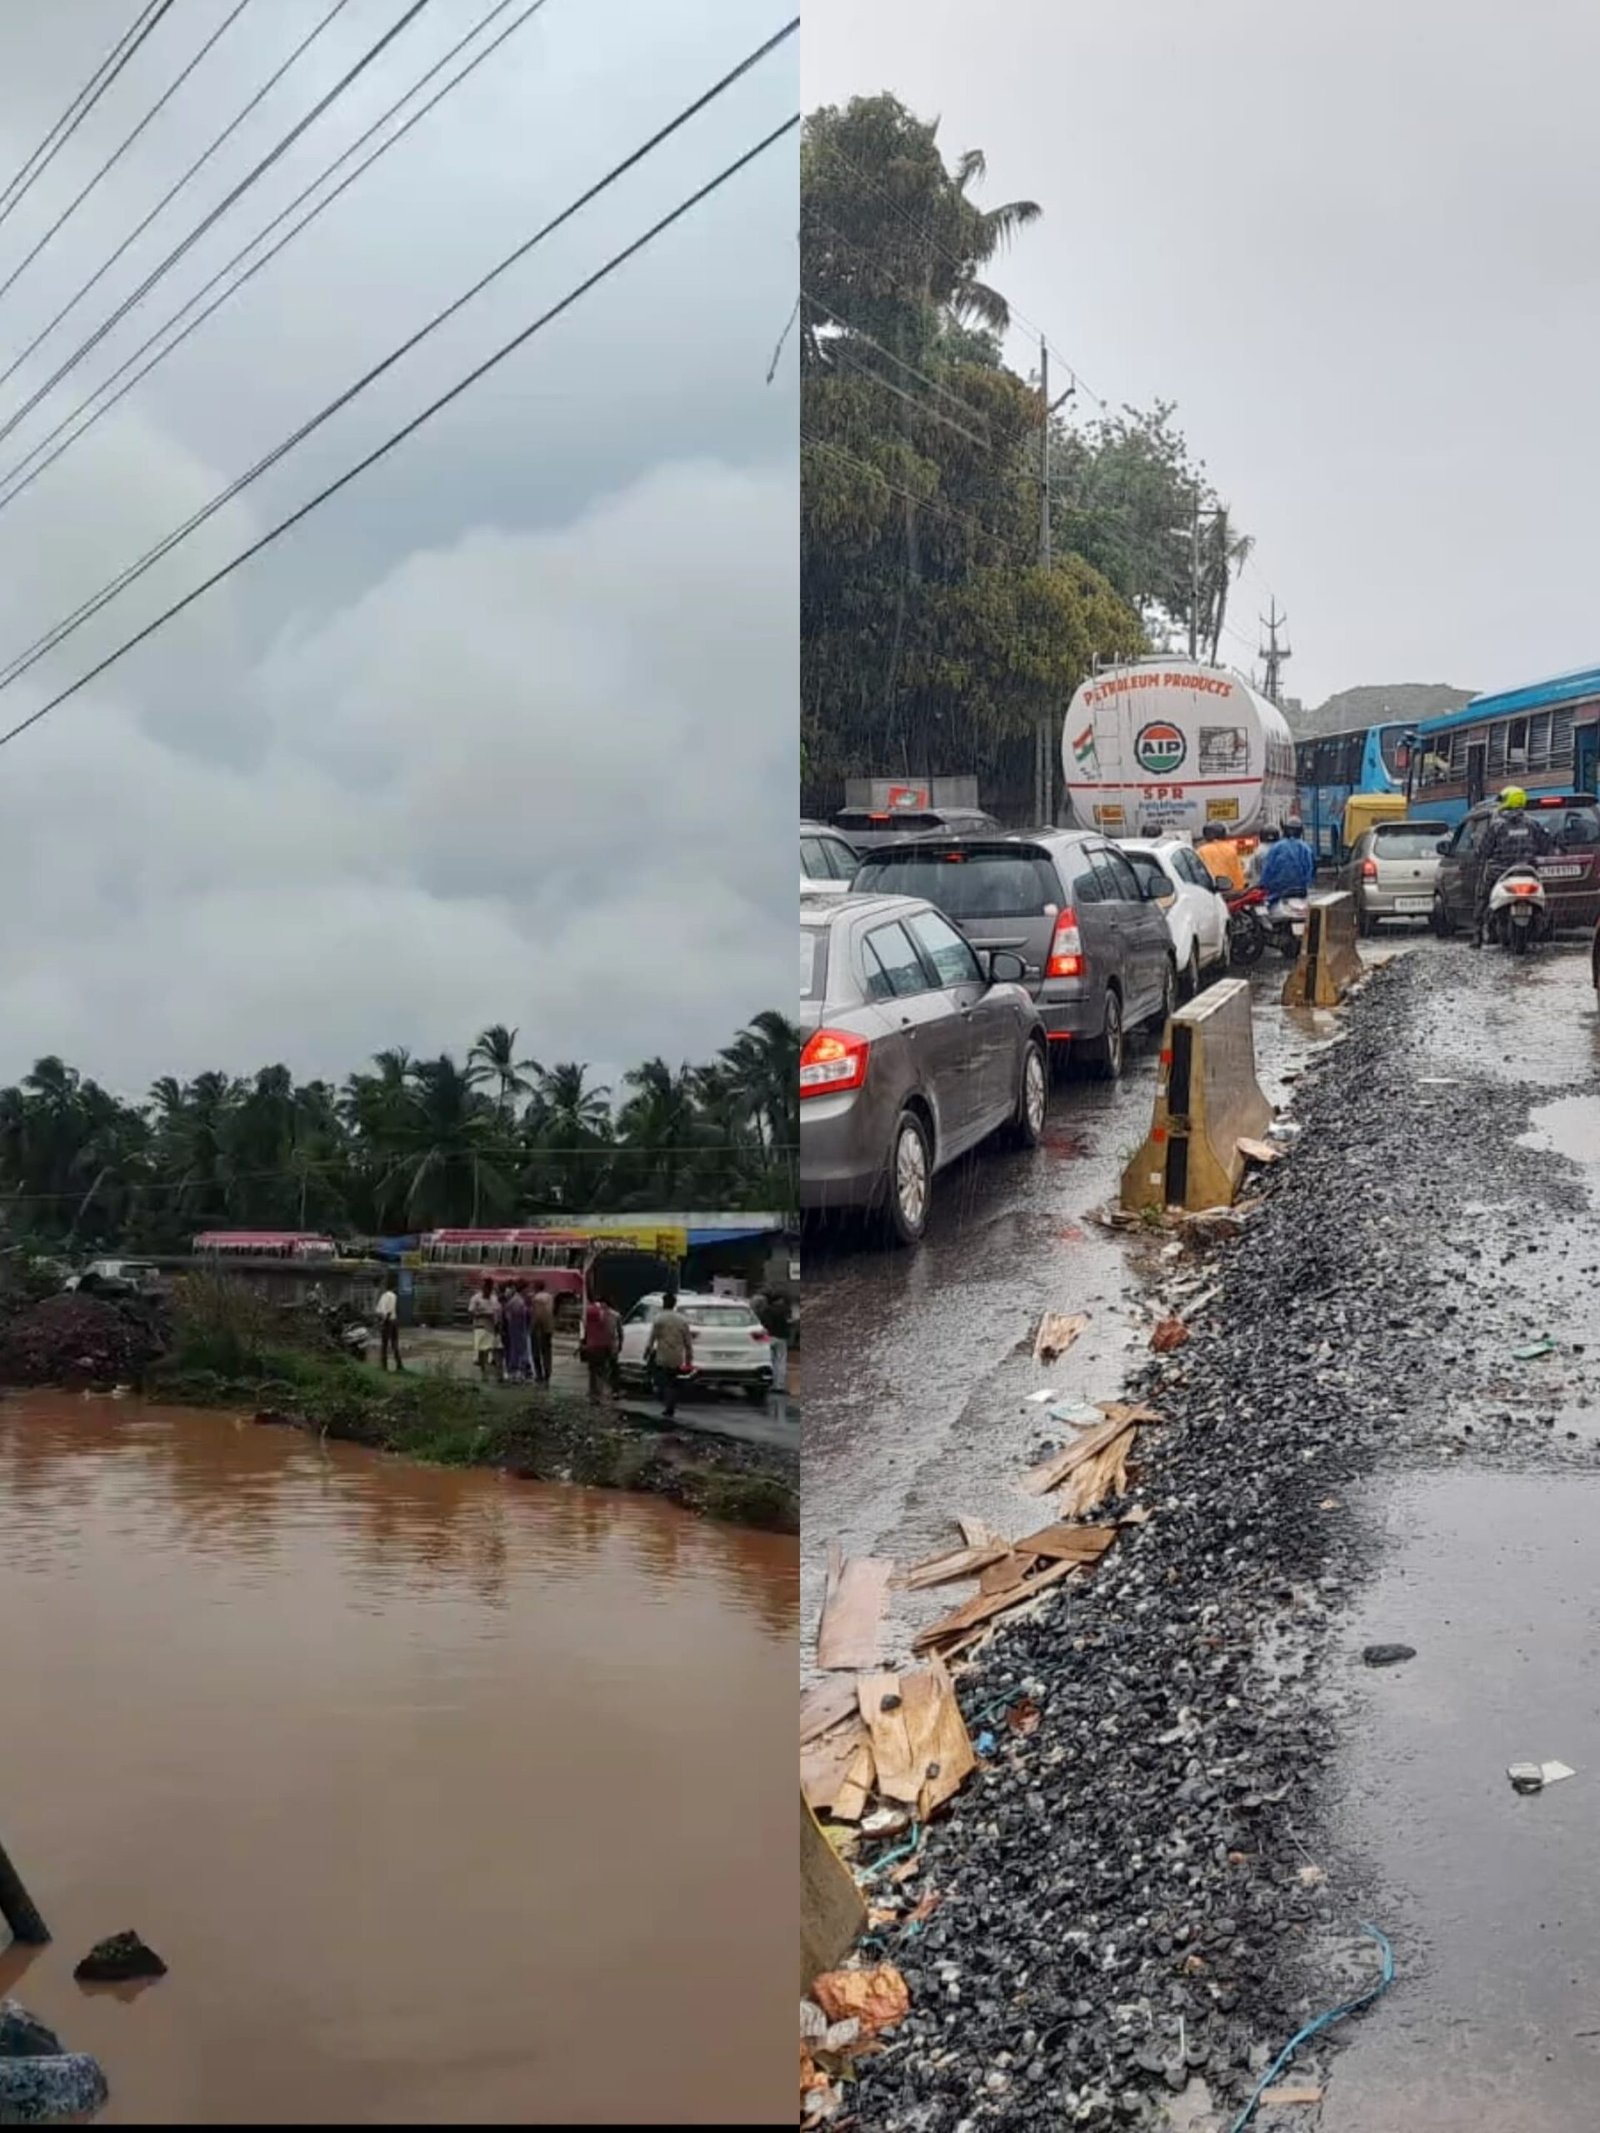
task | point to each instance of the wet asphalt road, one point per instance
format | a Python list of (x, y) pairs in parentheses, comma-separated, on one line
[(918, 1363)]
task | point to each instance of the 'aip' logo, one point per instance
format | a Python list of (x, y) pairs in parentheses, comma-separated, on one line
[(1160, 748)]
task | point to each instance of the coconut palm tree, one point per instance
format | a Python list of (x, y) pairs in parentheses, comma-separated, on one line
[(1224, 554), (494, 1058), (988, 231)]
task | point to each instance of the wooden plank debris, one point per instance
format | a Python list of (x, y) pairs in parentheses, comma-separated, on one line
[(883, 1713), (987, 1605), (1259, 1151), (1057, 1332), (855, 1788), (824, 1705), (850, 1635), (957, 1563), (1062, 1543), (824, 1763)]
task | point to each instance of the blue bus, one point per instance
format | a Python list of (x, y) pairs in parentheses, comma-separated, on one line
[(1329, 769), (1545, 738)]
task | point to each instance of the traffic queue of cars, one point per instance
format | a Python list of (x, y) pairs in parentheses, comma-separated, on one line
[(941, 982)]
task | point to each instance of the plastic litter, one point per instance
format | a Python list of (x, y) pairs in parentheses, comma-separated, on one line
[(1533, 1351), (1533, 1777)]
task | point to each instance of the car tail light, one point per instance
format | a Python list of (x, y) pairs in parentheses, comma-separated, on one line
[(832, 1062), (1369, 870), (1523, 888), (1066, 948), (761, 1334)]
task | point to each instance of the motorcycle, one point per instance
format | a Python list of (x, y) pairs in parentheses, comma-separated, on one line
[(1286, 924), (1518, 914), (1247, 931)]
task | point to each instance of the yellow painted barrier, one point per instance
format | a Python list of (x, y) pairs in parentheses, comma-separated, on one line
[(1329, 962), (1207, 1101), (832, 1914)]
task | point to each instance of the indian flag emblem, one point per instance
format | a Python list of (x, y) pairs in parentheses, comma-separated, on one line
[(1083, 753)]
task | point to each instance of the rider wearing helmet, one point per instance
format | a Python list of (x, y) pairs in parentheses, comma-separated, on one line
[(1264, 843), (1512, 837), (1290, 867), (1219, 854)]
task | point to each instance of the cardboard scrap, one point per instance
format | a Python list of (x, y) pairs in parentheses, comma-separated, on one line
[(883, 1714), (877, 1998), (1057, 1332), (850, 1635), (1170, 1333), (940, 1745), (824, 1763), (855, 1788), (1300, 2095)]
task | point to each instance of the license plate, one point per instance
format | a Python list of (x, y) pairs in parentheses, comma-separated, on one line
[(1413, 903), (1572, 873)]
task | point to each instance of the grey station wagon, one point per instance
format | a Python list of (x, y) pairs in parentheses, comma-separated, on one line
[(1096, 949), (916, 1048)]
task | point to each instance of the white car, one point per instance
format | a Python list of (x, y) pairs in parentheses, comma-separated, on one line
[(1196, 914), (731, 1346), (828, 861)]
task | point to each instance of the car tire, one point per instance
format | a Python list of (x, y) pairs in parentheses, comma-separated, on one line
[(1156, 1027), (756, 1395), (1026, 1129), (1441, 921), (1104, 1056), (1366, 925), (1192, 979), (909, 1187)]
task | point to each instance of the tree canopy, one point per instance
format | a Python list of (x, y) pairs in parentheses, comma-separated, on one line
[(402, 1144), (934, 638)]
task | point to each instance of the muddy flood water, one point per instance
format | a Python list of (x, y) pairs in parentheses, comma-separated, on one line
[(448, 1799)]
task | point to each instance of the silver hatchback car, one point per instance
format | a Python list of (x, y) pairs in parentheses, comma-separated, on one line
[(1392, 870), (917, 1046)]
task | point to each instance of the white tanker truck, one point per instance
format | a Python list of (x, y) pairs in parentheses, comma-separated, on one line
[(1163, 746)]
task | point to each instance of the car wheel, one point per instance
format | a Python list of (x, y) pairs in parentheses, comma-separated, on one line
[(756, 1395), (1191, 976), (1440, 920), (910, 1180), (1366, 925), (1104, 1055), (1033, 1096)]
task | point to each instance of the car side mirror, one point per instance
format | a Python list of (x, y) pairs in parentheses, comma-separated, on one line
[(1442, 847), (1006, 968), (1222, 885), (1152, 888)]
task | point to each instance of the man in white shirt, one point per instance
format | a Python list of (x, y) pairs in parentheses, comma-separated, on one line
[(389, 1325)]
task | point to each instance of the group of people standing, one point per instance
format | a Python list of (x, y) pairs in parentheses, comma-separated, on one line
[(514, 1331)]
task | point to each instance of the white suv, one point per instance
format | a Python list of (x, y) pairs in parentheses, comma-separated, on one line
[(731, 1346)]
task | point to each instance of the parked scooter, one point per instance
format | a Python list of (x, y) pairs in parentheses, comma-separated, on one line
[(1519, 914), (1247, 927), (1286, 923)]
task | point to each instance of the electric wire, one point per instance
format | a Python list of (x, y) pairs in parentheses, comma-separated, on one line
[(80, 107), (409, 429), (40, 451), (29, 657)]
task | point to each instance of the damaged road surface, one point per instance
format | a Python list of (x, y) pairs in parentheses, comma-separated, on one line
[(1199, 1815)]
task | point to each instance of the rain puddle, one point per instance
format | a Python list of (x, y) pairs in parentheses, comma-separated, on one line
[(1492, 1902), (1569, 1126)]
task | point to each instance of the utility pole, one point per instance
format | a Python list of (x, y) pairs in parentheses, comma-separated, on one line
[(1274, 653), (1194, 578), (1043, 767)]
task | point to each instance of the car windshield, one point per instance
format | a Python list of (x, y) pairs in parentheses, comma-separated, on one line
[(1409, 840), (967, 884), (813, 962), (719, 1315)]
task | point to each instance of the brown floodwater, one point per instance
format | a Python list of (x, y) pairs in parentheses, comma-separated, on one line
[(448, 1799)]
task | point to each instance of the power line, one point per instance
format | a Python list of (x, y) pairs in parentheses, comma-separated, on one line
[(936, 505), (409, 429), (65, 628), (80, 107), (21, 466), (120, 151), (856, 333), (167, 197)]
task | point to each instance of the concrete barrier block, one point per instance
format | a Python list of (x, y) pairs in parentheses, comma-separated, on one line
[(1207, 1101), (833, 1915), (1329, 962)]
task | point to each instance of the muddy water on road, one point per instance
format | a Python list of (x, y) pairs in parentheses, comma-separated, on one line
[(919, 1363), (448, 1799), (1494, 1579)]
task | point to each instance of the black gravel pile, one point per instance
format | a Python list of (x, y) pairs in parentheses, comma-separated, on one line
[(1128, 1893)]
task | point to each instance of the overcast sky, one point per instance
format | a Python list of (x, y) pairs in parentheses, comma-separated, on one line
[(507, 731), (1355, 244)]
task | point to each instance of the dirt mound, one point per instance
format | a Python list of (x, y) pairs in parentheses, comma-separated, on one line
[(70, 1340)]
